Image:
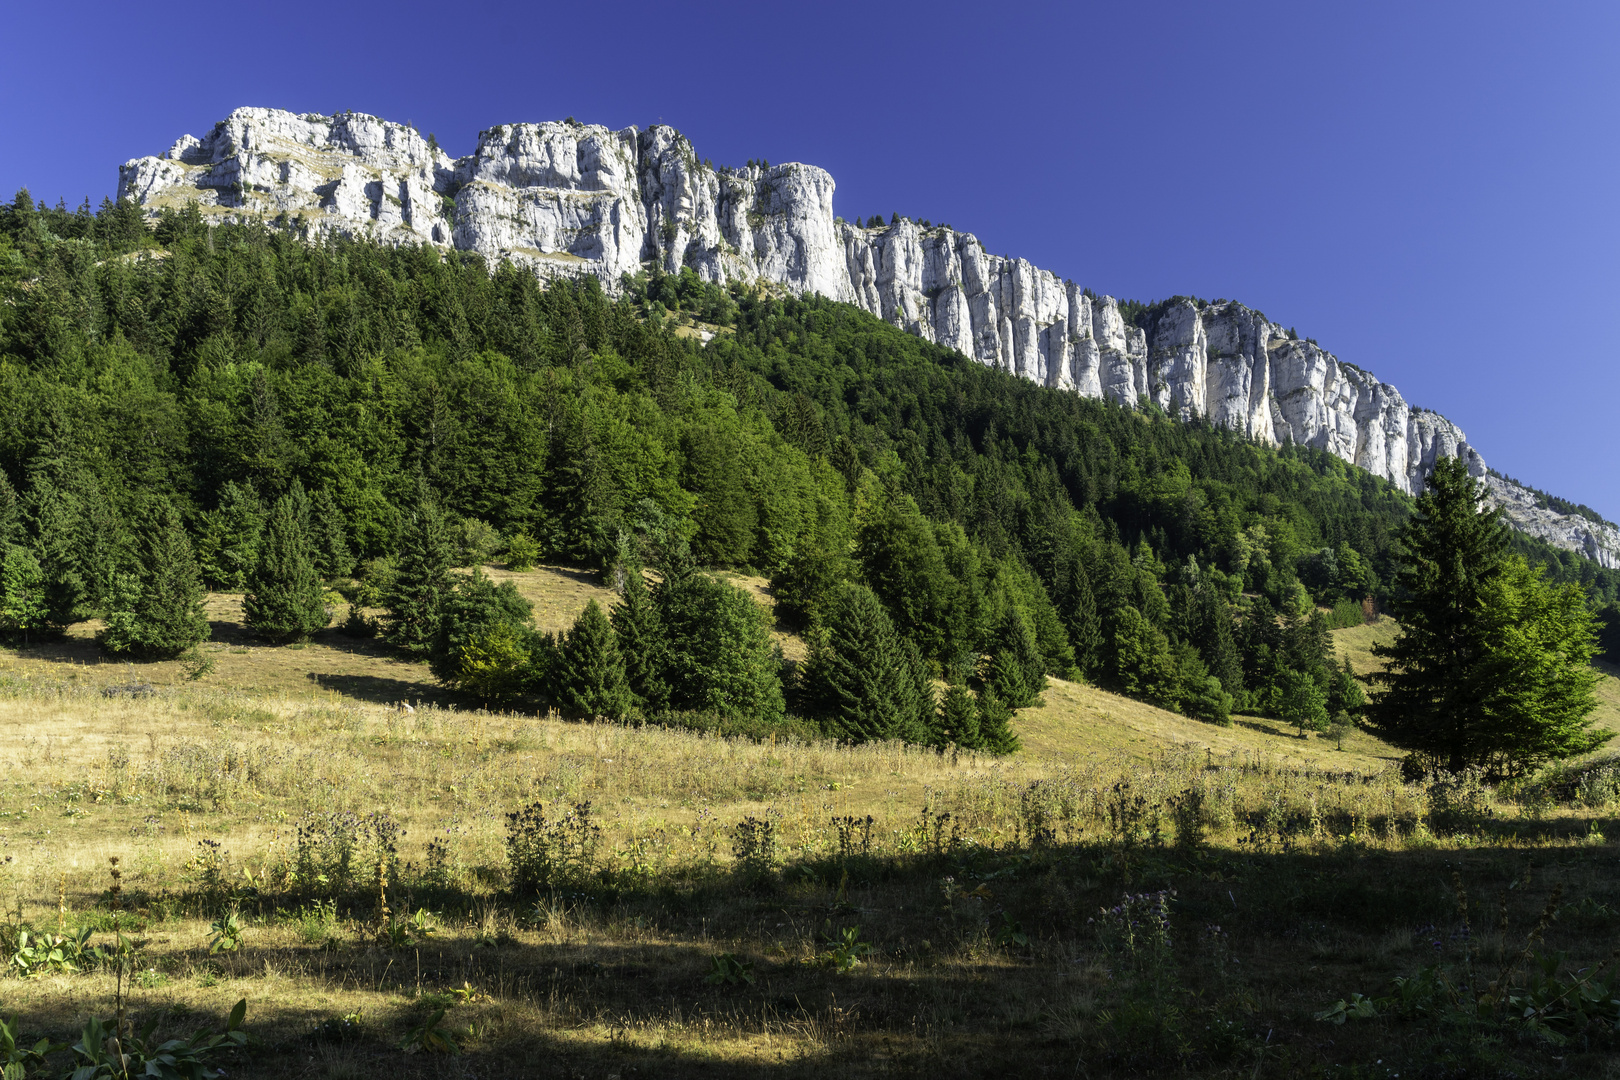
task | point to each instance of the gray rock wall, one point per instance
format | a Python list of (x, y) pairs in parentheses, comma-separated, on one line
[(567, 198)]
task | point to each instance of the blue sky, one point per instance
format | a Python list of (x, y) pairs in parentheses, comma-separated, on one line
[(1429, 190)]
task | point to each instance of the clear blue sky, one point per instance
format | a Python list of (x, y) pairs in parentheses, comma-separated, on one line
[(1429, 190)]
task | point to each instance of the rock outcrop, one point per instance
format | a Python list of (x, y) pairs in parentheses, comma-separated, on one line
[(568, 198), (1597, 540)]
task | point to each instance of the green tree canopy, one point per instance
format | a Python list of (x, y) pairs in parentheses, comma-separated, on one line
[(285, 600), (1491, 667)]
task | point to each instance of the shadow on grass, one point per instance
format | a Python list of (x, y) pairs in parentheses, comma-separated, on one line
[(382, 690), (1001, 973)]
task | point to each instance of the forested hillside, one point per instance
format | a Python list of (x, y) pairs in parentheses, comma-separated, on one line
[(193, 386)]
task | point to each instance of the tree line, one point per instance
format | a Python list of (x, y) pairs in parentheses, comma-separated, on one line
[(275, 413)]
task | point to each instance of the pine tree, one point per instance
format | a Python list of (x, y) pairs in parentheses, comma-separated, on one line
[(416, 596), (1016, 669), (959, 718), (228, 549), (859, 676), (995, 724), (1447, 674), (591, 683), (641, 642), (160, 612), (285, 601)]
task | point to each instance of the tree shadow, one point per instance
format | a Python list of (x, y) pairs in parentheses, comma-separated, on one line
[(381, 690)]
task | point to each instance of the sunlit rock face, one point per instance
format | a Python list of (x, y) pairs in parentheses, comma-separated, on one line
[(566, 199)]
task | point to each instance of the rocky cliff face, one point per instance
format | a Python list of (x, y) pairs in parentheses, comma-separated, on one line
[(568, 198)]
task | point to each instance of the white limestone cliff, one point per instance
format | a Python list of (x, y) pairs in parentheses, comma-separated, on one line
[(566, 198)]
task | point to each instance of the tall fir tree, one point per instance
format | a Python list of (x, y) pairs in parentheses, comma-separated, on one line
[(641, 641), (1016, 668), (1078, 606), (285, 600), (1489, 667), (330, 536), (228, 547), (591, 682), (415, 598), (860, 677), (160, 611)]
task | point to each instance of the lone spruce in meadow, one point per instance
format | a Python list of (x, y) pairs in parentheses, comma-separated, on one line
[(1492, 666), (285, 601)]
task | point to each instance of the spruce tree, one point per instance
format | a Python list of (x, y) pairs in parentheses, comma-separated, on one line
[(591, 683), (10, 512), (285, 601), (1459, 681), (160, 612), (718, 652), (1016, 669), (330, 536), (1078, 606), (995, 724), (641, 642), (859, 677), (415, 598), (228, 548), (959, 718)]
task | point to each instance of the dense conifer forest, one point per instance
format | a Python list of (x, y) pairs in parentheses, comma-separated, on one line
[(240, 408)]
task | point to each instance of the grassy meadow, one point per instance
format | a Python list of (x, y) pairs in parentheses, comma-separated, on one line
[(1135, 893)]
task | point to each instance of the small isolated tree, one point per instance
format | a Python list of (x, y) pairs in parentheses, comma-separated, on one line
[(159, 614), (719, 654), (483, 642), (1301, 702), (591, 682), (522, 552), (24, 612), (416, 595), (285, 600)]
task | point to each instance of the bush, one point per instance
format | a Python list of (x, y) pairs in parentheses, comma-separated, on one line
[(522, 552)]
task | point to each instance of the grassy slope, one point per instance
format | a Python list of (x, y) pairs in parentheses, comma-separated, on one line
[(1076, 719), (622, 986)]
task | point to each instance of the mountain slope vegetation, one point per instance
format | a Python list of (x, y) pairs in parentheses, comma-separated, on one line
[(204, 371)]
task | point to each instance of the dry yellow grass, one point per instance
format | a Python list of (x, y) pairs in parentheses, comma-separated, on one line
[(1313, 859)]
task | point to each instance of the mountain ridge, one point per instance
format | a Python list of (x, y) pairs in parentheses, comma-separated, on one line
[(564, 198)]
